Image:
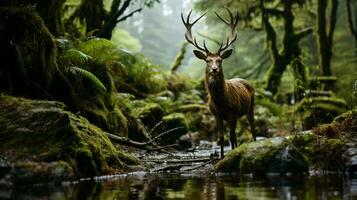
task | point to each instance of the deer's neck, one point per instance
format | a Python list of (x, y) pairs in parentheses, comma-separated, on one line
[(216, 88)]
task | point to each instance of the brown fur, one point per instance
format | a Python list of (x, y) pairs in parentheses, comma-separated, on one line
[(229, 100)]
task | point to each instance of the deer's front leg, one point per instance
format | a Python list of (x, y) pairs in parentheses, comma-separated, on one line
[(232, 135), (219, 123)]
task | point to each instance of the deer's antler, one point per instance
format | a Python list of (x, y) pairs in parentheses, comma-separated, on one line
[(232, 25), (188, 33)]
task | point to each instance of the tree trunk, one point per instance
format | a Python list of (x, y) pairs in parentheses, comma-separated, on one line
[(325, 40), (51, 13), (290, 48)]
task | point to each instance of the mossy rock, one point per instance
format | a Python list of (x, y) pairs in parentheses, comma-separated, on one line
[(42, 131), (270, 155)]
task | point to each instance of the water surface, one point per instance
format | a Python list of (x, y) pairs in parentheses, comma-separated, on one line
[(198, 186)]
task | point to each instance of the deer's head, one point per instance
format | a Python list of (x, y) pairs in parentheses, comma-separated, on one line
[(213, 60)]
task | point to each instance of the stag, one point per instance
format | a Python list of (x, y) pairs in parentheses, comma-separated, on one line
[(228, 100)]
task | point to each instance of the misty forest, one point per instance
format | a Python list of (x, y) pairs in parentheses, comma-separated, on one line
[(178, 99)]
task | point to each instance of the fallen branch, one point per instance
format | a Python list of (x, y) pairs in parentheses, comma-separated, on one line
[(198, 160), (143, 145), (170, 168), (202, 165)]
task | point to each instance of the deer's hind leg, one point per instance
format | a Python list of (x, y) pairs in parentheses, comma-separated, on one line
[(232, 135), (250, 117)]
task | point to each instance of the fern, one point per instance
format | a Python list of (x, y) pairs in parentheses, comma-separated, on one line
[(101, 50), (76, 57), (88, 75)]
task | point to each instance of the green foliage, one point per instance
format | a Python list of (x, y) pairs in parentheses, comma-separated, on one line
[(142, 74), (102, 50), (328, 103), (89, 75)]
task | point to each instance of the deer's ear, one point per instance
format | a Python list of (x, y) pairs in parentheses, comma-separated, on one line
[(199, 54), (227, 53)]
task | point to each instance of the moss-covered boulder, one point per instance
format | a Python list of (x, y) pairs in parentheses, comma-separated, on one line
[(269, 155), (35, 132)]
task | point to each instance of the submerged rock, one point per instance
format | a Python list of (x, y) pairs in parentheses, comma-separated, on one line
[(270, 155), (40, 137)]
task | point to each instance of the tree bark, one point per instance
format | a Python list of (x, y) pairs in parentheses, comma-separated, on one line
[(350, 19), (290, 46), (325, 40), (51, 13), (112, 20)]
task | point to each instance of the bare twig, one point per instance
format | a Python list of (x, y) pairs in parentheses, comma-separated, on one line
[(155, 127), (143, 145), (170, 168), (202, 165), (180, 161), (130, 14)]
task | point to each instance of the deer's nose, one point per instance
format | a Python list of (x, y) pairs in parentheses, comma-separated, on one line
[(214, 69)]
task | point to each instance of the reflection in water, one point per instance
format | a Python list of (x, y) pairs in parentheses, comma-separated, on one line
[(191, 186)]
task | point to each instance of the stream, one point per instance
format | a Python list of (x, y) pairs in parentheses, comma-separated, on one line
[(200, 183), (198, 186)]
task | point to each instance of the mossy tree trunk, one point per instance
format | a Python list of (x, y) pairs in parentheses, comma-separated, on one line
[(99, 21), (51, 13), (300, 78), (290, 49), (179, 58), (325, 40)]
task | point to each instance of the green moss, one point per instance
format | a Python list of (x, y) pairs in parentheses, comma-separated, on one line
[(351, 114), (192, 108), (179, 82), (91, 94), (149, 113), (271, 106), (327, 154), (43, 131), (142, 75), (179, 58), (300, 72), (269, 155), (323, 79), (317, 110)]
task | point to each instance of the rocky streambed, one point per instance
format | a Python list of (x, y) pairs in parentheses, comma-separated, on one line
[(42, 143)]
